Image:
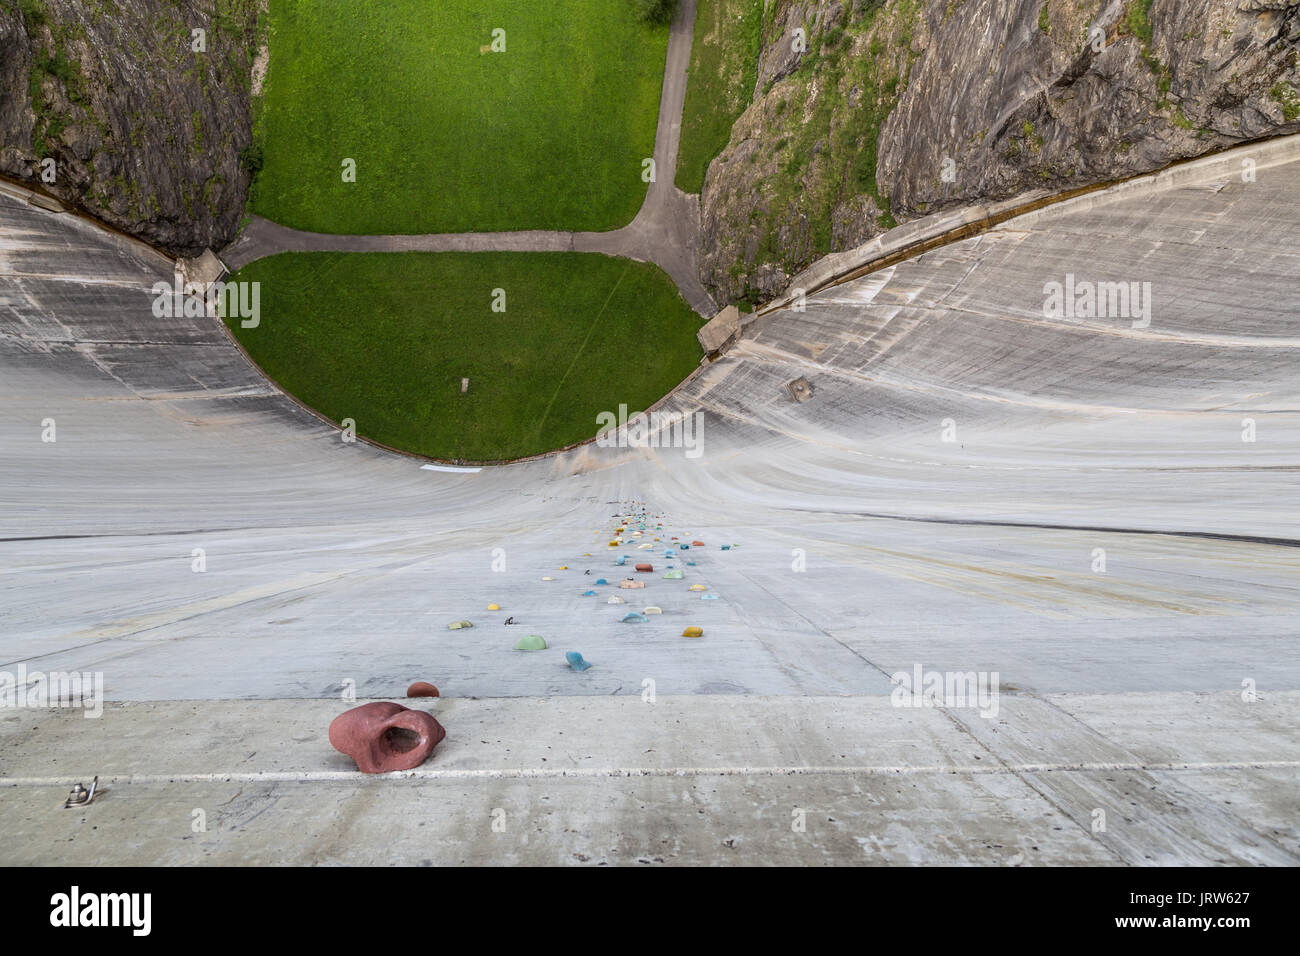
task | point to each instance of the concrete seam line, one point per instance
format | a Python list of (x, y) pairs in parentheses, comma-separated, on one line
[(343, 776)]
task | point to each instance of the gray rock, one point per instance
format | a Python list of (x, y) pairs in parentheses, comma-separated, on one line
[(146, 133), (980, 103)]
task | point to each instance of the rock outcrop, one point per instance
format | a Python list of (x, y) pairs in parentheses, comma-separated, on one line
[(145, 132), (899, 108)]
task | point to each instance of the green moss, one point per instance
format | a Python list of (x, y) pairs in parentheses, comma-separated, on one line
[(1137, 20), (1285, 96), (33, 14), (52, 66)]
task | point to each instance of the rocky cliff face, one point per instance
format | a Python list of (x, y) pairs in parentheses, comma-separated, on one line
[(899, 108), (145, 132)]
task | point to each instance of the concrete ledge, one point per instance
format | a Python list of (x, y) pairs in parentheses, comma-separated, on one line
[(720, 330), (703, 779)]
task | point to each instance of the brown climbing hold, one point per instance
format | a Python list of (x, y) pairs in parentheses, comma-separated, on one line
[(421, 689), (645, 567), (383, 736)]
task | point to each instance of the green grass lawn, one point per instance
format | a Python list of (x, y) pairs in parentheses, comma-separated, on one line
[(724, 69), (385, 339), (549, 134)]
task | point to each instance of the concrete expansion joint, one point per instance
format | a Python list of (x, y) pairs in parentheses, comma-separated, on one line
[(352, 776)]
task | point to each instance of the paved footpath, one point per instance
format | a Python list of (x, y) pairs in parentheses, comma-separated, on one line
[(666, 231)]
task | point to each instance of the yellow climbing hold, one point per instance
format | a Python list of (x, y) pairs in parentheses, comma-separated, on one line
[(699, 587), (494, 607), (693, 632)]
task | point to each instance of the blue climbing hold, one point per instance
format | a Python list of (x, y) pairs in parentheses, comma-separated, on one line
[(634, 618), (708, 597), (601, 581), (588, 593), (575, 661), (690, 564), (684, 547), (726, 547), (621, 560)]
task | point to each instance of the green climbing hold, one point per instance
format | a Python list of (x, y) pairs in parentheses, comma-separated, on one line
[(531, 642)]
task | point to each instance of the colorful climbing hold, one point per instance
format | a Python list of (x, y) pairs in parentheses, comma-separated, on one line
[(652, 610), (633, 618), (675, 575), (457, 625), (531, 642), (575, 661), (494, 607), (698, 587), (693, 632), (421, 689)]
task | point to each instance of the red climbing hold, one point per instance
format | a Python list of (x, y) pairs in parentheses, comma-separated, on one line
[(383, 736)]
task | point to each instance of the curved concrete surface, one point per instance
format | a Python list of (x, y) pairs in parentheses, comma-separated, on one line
[(866, 545)]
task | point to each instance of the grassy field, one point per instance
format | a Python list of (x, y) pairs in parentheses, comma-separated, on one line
[(447, 135), (724, 68), (385, 339)]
